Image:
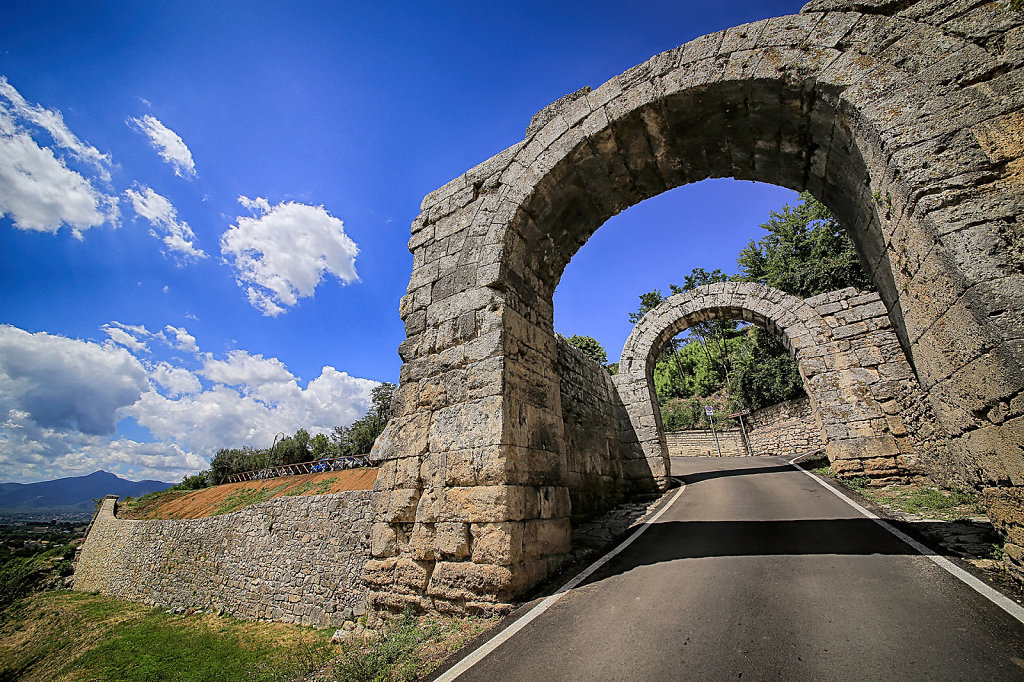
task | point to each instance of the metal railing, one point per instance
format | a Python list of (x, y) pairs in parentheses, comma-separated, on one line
[(314, 467)]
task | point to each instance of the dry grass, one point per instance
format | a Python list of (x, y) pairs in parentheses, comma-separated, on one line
[(230, 497)]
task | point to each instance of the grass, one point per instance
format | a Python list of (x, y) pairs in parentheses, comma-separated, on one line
[(245, 498), (412, 648), (76, 636), (315, 488), (141, 506), (926, 501), (69, 636)]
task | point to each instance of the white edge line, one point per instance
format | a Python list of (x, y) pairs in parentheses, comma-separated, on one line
[(1008, 605), (549, 601)]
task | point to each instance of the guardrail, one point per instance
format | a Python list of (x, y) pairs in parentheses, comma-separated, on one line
[(314, 467)]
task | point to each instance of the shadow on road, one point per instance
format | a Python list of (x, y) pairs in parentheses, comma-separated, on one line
[(678, 540), (698, 476)]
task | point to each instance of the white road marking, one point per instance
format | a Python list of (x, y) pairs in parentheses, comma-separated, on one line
[(1011, 607), (503, 636)]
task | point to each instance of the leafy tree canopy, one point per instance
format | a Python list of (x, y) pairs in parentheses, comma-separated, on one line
[(590, 346), (805, 253)]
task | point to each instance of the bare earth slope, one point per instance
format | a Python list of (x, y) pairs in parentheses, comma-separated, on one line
[(230, 497)]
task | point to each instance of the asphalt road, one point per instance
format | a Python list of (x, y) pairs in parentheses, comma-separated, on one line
[(758, 572)]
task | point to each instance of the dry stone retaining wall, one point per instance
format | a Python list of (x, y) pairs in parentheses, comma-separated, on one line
[(788, 428), (603, 462), (702, 443), (290, 559)]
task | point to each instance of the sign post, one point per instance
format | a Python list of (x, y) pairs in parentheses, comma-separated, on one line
[(710, 412)]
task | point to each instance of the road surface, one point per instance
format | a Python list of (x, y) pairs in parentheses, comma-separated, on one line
[(758, 572)]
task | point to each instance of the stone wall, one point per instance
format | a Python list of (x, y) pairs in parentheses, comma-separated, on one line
[(786, 429), (290, 559), (603, 463), (702, 443)]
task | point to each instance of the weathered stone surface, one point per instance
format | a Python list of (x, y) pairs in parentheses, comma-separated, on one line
[(903, 118), (843, 344), (290, 559)]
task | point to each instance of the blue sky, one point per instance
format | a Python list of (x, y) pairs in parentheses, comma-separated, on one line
[(205, 205)]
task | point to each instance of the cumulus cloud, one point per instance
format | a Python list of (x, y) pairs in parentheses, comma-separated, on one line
[(61, 399), (232, 416), (182, 339), (66, 384), (176, 381), (283, 253), (176, 235), (168, 143), (241, 368), (38, 190)]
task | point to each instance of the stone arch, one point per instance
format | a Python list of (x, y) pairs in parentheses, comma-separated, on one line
[(905, 119), (843, 394)]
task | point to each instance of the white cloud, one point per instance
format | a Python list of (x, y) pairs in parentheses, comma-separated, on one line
[(67, 384), (168, 143), (40, 193), (161, 214), (225, 416), (176, 381), (182, 339), (127, 336), (61, 398), (53, 123), (241, 368), (37, 189), (283, 254)]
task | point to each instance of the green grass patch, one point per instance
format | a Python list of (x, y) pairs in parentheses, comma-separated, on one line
[(858, 483), (66, 636), (246, 497), (76, 636), (313, 487)]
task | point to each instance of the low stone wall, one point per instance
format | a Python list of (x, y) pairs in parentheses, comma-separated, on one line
[(786, 429), (290, 559), (702, 443), (603, 464)]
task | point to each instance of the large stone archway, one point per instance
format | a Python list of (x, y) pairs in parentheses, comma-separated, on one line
[(858, 381), (905, 119)]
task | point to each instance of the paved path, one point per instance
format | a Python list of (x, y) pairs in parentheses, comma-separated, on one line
[(758, 572)]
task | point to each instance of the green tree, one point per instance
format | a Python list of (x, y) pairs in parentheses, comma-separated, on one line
[(590, 346), (805, 253), (320, 446)]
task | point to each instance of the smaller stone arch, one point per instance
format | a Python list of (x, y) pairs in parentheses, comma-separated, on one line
[(848, 355)]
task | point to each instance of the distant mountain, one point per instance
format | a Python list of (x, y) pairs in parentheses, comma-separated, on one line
[(73, 494)]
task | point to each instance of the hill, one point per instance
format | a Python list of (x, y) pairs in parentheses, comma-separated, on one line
[(73, 495)]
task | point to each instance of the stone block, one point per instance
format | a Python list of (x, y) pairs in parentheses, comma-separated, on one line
[(465, 580), (421, 542), (547, 536), (383, 540), (380, 572), (489, 503), (497, 543), (412, 576), (452, 540)]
